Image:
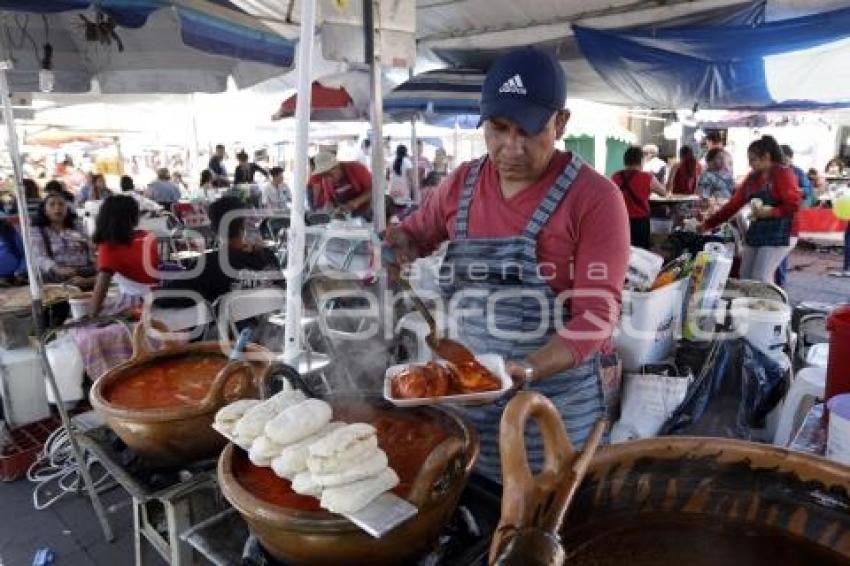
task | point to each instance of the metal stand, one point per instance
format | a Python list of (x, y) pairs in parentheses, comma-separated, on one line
[(35, 290), (176, 507), (162, 508)]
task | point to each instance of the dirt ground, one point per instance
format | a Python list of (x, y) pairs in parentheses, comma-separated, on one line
[(809, 278)]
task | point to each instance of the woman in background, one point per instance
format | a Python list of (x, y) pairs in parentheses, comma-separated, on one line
[(772, 193), (127, 254), (401, 178), (684, 174), (61, 251)]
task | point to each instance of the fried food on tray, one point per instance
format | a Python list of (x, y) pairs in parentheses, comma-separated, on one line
[(430, 380), (472, 377), (434, 380)]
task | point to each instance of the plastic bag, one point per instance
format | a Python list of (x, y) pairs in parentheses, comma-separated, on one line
[(68, 368), (764, 382), (649, 399)]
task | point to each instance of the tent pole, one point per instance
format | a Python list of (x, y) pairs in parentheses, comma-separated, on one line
[(296, 235), (371, 12), (416, 180), (35, 291), (457, 140)]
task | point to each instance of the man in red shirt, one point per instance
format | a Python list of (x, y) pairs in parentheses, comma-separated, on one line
[(341, 184), (636, 185), (537, 254)]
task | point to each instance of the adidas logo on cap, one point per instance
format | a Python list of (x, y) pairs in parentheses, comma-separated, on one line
[(513, 86)]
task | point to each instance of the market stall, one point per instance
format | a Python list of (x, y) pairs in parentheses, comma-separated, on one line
[(315, 474)]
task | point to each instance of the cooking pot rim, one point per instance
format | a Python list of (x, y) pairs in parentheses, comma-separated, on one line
[(99, 402), (611, 458)]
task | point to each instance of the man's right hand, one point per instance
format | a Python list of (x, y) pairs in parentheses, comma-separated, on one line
[(403, 247)]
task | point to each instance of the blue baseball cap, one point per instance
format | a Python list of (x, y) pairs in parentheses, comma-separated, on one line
[(526, 86)]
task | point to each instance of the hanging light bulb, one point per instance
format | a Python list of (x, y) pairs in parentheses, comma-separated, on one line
[(46, 78)]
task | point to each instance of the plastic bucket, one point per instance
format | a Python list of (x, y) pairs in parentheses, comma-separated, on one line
[(838, 433), (649, 325), (80, 305), (762, 322)]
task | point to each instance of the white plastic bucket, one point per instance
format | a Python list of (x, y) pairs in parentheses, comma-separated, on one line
[(838, 433), (80, 305), (762, 322), (649, 325)]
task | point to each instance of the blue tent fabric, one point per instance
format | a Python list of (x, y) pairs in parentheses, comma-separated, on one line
[(712, 66), (205, 30)]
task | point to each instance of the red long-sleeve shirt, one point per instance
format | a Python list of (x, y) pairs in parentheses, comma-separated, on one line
[(586, 240), (783, 187)]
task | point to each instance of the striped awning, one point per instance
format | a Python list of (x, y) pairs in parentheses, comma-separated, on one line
[(435, 95)]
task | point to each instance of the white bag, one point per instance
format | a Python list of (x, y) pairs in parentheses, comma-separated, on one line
[(648, 401)]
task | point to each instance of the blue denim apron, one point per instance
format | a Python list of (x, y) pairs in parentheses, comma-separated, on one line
[(768, 231), (520, 322)]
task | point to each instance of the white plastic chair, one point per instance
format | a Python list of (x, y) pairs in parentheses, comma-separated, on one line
[(808, 385), (238, 306)]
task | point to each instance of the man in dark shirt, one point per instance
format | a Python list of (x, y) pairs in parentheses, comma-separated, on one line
[(243, 266), (216, 165)]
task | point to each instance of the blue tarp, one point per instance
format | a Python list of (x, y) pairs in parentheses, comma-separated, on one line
[(796, 63), (202, 28)]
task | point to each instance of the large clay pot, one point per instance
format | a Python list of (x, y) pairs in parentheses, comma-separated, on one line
[(177, 436), (318, 537), (701, 501)]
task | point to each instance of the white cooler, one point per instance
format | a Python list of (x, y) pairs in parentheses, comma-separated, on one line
[(22, 387)]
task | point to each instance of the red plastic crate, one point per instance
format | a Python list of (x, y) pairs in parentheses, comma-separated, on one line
[(27, 441)]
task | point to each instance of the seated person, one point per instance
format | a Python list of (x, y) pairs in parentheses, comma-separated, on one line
[(62, 253), (128, 187), (13, 261), (222, 274), (127, 254)]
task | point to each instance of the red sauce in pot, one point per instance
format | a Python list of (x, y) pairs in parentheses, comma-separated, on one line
[(407, 440), (169, 383)]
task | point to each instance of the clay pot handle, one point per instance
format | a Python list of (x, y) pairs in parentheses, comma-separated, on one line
[(434, 467), (523, 494), (140, 338), (215, 396)]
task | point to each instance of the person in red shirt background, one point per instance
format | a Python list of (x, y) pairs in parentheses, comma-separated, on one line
[(636, 185), (123, 252), (341, 184), (773, 195), (537, 248)]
